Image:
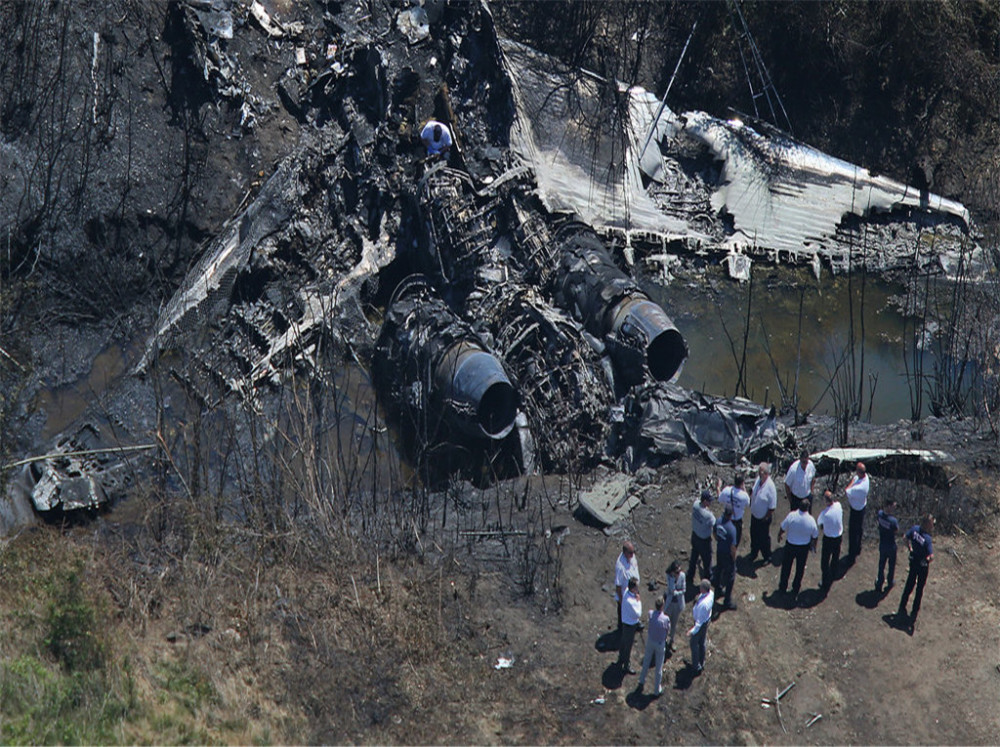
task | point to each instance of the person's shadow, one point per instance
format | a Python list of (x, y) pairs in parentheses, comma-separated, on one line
[(639, 700), (780, 601), (612, 677), (869, 599), (610, 641), (684, 677), (899, 622), (810, 598)]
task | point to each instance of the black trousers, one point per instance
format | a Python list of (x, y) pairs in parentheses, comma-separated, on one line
[(625, 647), (738, 523), (886, 557), (829, 559), (760, 538), (918, 576), (798, 553), (725, 576), (854, 530), (794, 502), (700, 548)]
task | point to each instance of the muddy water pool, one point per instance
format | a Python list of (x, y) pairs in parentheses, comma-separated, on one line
[(706, 307)]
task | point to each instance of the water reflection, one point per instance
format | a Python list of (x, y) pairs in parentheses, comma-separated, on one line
[(706, 308)]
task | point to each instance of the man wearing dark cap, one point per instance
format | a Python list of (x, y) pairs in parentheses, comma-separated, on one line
[(888, 528), (702, 526), (918, 537)]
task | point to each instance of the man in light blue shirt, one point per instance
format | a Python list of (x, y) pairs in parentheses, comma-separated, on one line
[(702, 526)]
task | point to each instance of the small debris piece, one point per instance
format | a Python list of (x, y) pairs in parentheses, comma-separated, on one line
[(815, 717), (272, 28), (598, 701), (504, 662)]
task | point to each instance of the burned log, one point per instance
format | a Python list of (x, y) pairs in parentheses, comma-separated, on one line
[(429, 362)]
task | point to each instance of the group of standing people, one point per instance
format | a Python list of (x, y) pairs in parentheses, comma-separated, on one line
[(799, 530)]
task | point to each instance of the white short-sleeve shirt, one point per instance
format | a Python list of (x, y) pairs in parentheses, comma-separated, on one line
[(800, 480), (624, 570), (737, 498), (763, 498), (800, 527), (857, 492), (631, 609), (427, 135), (831, 520)]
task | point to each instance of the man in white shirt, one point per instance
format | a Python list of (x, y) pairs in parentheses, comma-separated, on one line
[(802, 535), (831, 521), (436, 137), (857, 497), (763, 501), (631, 614), (702, 614), (799, 480), (735, 497), (626, 567)]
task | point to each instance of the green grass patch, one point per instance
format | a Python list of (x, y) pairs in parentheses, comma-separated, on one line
[(42, 704)]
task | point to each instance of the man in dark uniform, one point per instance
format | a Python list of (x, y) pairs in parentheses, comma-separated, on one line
[(888, 528), (725, 558), (918, 538)]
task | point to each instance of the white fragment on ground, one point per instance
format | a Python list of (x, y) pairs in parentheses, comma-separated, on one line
[(504, 662)]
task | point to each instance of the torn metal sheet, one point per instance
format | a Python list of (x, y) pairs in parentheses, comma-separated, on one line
[(851, 456), (414, 24), (928, 466), (792, 199), (216, 16), (668, 421), (563, 133), (711, 184), (206, 289)]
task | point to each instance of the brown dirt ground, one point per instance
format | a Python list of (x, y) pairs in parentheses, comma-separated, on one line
[(872, 683), (333, 645)]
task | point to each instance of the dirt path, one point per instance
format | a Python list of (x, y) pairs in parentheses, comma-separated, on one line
[(872, 683)]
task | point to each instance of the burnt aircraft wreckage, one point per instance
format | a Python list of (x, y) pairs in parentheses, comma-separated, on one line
[(489, 300)]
